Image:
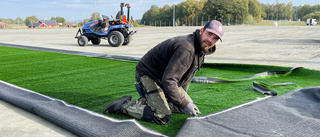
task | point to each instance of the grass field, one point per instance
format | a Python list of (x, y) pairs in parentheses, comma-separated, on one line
[(93, 83)]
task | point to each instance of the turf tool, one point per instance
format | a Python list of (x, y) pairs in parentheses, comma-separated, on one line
[(118, 31), (262, 88)]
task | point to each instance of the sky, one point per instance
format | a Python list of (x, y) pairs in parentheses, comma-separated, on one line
[(73, 10)]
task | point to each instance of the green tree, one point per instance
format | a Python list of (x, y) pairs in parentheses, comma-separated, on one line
[(278, 11), (240, 11), (192, 9), (7, 21), (165, 15), (183, 11), (95, 16), (315, 15), (289, 11), (135, 24), (283, 11), (315, 8), (209, 8), (154, 15), (255, 9), (86, 21), (30, 19), (304, 10), (228, 10), (67, 23), (270, 11), (151, 15), (19, 20), (59, 19), (138, 21)]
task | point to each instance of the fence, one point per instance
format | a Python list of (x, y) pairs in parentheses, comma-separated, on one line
[(200, 21), (194, 22), (234, 23)]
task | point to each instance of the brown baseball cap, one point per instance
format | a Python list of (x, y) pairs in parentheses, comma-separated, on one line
[(215, 27)]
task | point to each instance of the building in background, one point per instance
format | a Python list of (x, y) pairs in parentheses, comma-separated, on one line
[(44, 24)]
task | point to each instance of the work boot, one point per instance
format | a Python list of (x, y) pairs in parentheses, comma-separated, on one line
[(117, 106)]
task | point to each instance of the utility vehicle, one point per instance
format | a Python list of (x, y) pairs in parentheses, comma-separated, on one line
[(117, 34)]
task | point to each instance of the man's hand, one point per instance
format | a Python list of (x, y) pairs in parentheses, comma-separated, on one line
[(191, 109)]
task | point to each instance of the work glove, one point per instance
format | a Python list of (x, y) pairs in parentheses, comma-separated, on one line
[(191, 109)]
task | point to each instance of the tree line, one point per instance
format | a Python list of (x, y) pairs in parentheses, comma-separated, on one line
[(31, 19), (193, 12), (287, 11), (34, 19)]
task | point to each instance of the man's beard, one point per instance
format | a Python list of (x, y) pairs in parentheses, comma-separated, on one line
[(206, 45)]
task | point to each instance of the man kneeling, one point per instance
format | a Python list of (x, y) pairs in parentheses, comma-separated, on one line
[(163, 76)]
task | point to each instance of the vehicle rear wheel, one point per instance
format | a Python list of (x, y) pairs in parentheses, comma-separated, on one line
[(115, 39), (83, 41), (95, 41), (127, 41)]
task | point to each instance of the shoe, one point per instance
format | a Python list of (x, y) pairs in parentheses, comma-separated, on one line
[(116, 106)]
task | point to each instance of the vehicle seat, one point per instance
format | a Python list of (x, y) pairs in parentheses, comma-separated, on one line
[(100, 27), (103, 24), (99, 23)]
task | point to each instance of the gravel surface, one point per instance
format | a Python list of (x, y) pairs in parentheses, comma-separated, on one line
[(267, 45)]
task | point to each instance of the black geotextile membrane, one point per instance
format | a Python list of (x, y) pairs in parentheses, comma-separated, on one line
[(296, 113), (80, 53), (77, 120)]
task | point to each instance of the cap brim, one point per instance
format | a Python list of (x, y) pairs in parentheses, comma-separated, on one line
[(214, 32)]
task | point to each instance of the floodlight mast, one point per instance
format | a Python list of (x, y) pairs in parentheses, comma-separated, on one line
[(128, 12), (95, 11), (173, 18), (121, 11)]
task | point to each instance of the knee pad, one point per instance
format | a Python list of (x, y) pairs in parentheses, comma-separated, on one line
[(148, 116)]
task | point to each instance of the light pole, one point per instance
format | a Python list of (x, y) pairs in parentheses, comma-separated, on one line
[(4, 24), (95, 12), (173, 15), (202, 21)]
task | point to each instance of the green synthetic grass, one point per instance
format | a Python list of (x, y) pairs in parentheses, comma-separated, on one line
[(93, 83)]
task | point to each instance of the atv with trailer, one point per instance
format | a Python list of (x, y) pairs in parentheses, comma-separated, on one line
[(118, 32)]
